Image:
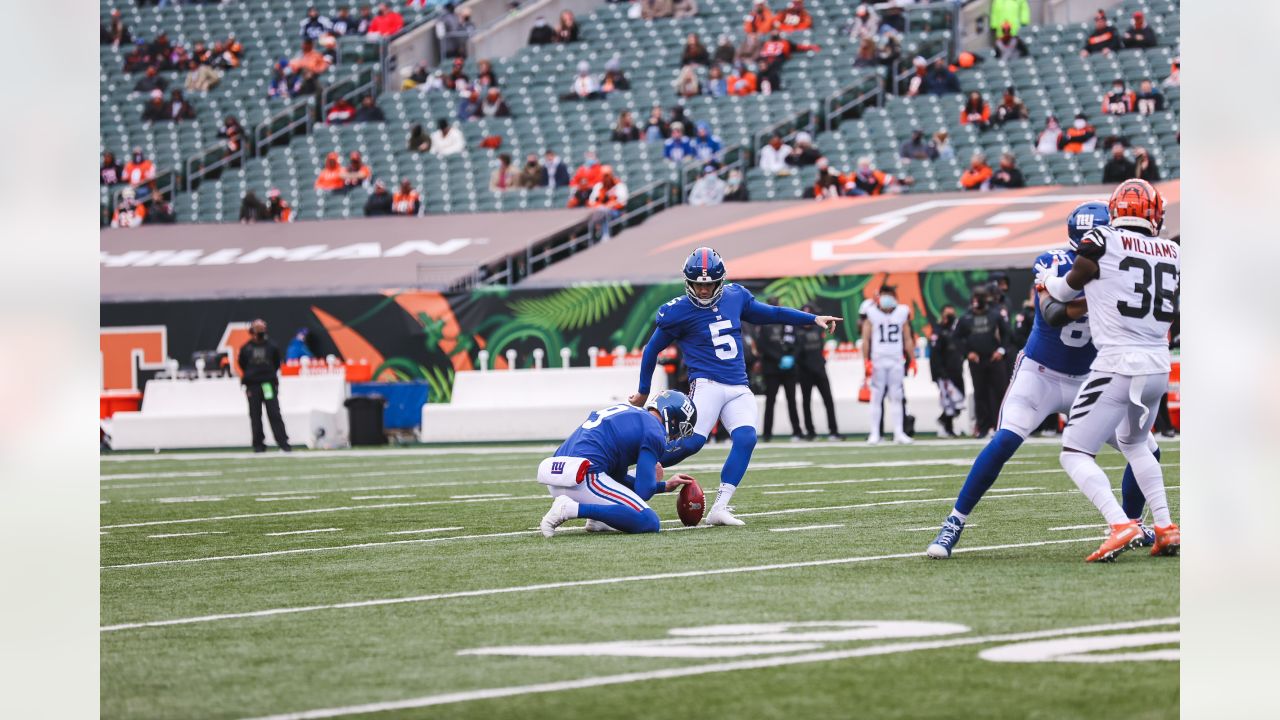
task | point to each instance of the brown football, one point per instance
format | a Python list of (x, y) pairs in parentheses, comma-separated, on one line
[(691, 504)]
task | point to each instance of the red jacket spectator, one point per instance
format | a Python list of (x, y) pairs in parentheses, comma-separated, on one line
[(341, 112), (139, 170), (793, 18), (742, 82), (977, 175), (330, 177), (587, 177), (976, 111), (387, 23), (760, 21), (781, 48)]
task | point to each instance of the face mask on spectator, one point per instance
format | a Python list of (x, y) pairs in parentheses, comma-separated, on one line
[(137, 157), (888, 302), (1117, 89), (590, 162), (1079, 124)]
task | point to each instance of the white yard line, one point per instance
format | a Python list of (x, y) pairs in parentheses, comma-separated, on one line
[(561, 585), (380, 497), (708, 669), (302, 532), (424, 530), (805, 527), (280, 498), (935, 528), (901, 490), (791, 492), (190, 534)]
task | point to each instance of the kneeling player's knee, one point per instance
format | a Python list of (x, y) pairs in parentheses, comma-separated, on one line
[(648, 522), (744, 437)]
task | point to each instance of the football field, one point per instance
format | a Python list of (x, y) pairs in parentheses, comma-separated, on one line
[(412, 583)]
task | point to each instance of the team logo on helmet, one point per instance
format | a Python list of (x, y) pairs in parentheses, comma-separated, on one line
[(678, 413), (704, 267), (1085, 217), (1135, 203)]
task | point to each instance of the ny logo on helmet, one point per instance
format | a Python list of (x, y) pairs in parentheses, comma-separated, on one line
[(1084, 221)]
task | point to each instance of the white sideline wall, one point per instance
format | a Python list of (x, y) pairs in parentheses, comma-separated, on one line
[(214, 412), (509, 405)]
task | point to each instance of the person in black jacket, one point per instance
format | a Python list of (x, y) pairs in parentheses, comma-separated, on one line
[(946, 366), (983, 336), (379, 202), (777, 346), (813, 374), (259, 362)]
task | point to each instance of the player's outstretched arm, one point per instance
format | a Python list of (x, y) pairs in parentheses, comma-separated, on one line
[(1059, 314), (648, 361), (758, 313)]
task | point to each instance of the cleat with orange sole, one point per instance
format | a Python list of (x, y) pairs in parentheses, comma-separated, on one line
[(1124, 536), (1168, 541)]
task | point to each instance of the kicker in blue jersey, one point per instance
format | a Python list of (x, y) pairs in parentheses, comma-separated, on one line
[(710, 339), (1068, 350)]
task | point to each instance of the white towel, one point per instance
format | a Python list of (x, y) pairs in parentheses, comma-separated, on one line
[(563, 471)]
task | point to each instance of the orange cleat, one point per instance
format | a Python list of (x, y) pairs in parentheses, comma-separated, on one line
[(1168, 540), (1124, 536)]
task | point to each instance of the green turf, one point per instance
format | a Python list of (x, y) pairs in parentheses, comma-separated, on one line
[(337, 657)]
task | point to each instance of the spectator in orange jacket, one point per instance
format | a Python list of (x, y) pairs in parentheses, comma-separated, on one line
[(793, 18), (1079, 137), (387, 23), (742, 81), (609, 198), (585, 179), (139, 170), (330, 178), (976, 111), (757, 27), (406, 201), (129, 213), (978, 174)]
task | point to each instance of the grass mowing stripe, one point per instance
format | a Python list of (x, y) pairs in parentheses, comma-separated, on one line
[(805, 527), (561, 585), (302, 532), (709, 668)]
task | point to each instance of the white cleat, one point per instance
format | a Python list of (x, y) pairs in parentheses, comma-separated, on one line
[(873, 440), (723, 516), (595, 526), (562, 509), (902, 439)]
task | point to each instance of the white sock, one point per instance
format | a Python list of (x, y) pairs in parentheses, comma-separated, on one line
[(1092, 481), (724, 496), (1146, 470), (895, 414), (962, 516), (573, 509), (876, 396)]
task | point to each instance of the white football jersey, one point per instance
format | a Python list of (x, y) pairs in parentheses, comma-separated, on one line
[(887, 332), (1133, 300)]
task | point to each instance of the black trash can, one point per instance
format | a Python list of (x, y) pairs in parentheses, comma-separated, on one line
[(365, 415)]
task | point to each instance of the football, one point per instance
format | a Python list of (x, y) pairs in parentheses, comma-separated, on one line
[(691, 504)]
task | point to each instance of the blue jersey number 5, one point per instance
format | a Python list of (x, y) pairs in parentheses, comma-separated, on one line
[(726, 346)]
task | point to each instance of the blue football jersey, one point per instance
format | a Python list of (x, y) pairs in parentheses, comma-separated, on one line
[(612, 438), (710, 339), (1069, 349)]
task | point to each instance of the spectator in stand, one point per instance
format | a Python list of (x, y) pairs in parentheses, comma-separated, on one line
[(111, 171), (129, 213), (613, 78), (655, 9), (685, 9), (584, 179), (1118, 168), (757, 26), (554, 172), (406, 201), (388, 22), (716, 85), (115, 32), (736, 187), (503, 177), (341, 113), (708, 189), (1174, 69), (917, 148), (656, 128), (201, 54), (694, 53), (773, 157), (277, 209), (976, 112), (369, 111), (1119, 101), (868, 54), (1104, 38), (686, 83), (1009, 46), (201, 78), (916, 83), (706, 145), (567, 30), (1144, 166), (469, 105), (343, 23), (304, 83), (625, 130), (541, 33), (868, 180), (803, 153), (328, 46), (281, 85), (485, 76), (940, 80), (140, 57), (226, 55), (1047, 141), (779, 48), (252, 209), (310, 60), (1008, 175), (151, 80), (742, 82), (725, 53), (1149, 99), (447, 140), (1139, 35), (769, 72), (865, 25), (1014, 13), (794, 17), (176, 110), (530, 175), (1080, 137), (942, 144), (584, 86), (494, 105), (1011, 108), (365, 21), (232, 133), (378, 202), (677, 147), (828, 184), (457, 79), (419, 141), (978, 175), (315, 24), (609, 198), (356, 172), (330, 177), (139, 170)]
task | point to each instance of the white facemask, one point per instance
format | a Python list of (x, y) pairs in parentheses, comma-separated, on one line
[(1079, 124)]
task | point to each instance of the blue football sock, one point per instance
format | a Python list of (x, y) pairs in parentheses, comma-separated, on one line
[(621, 517), (1131, 498), (681, 449), (735, 466), (986, 468)]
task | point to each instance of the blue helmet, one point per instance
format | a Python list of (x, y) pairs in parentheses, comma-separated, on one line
[(1084, 218), (677, 412), (704, 266)]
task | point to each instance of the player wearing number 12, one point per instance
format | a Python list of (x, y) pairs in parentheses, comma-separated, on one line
[(706, 322)]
